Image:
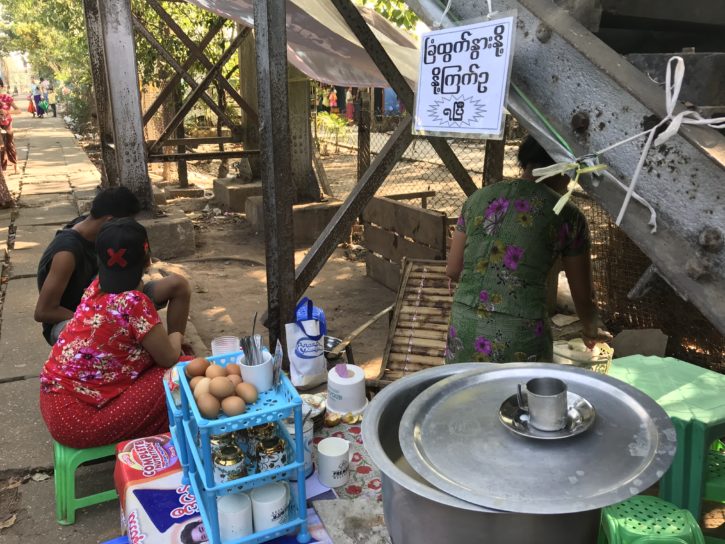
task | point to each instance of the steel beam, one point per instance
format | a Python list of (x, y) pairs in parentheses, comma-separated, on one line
[(214, 29), (171, 61), (206, 156), (341, 223), (124, 98), (595, 98), (276, 164), (94, 35), (387, 67), (193, 142), (201, 57), (198, 91)]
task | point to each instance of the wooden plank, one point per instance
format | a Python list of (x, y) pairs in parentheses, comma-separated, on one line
[(423, 310), (418, 333), (405, 341), (442, 291), (439, 319), (394, 247), (421, 327), (410, 196), (424, 226), (427, 299), (401, 359), (382, 271)]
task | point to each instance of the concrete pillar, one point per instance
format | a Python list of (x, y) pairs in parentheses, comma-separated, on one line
[(303, 178), (248, 91), (100, 90), (124, 98)]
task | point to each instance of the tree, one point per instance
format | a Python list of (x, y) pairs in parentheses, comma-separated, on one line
[(395, 11)]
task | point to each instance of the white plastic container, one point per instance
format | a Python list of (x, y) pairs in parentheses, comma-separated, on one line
[(574, 352)]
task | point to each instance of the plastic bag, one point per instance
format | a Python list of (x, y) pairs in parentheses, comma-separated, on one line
[(306, 346)]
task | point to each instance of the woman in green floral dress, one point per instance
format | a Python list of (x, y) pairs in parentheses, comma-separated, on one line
[(506, 241)]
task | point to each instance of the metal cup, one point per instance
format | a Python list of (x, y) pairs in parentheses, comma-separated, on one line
[(545, 402)]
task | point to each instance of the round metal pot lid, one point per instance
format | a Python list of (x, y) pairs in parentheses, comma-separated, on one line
[(451, 435)]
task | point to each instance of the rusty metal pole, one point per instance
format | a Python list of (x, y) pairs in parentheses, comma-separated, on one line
[(276, 163), (100, 90), (124, 97)]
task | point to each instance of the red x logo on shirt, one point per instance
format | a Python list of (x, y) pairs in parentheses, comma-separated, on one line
[(116, 257)]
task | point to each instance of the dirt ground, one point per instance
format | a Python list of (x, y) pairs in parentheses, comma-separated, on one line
[(228, 279)]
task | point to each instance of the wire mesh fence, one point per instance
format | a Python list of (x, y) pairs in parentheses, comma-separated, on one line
[(617, 262)]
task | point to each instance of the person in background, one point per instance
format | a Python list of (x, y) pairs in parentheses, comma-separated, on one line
[(69, 264), (6, 199), (52, 101), (36, 96), (333, 100), (7, 105), (325, 100), (506, 241), (103, 380), (349, 105), (44, 87)]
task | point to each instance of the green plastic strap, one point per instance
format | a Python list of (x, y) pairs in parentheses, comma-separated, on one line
[(544, 120)]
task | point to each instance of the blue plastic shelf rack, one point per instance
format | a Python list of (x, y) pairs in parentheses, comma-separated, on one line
[(271, 406), (176, 428)]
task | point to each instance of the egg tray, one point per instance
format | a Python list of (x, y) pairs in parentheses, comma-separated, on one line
[(272, 406)]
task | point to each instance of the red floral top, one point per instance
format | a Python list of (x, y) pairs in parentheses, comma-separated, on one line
[(99, 353), (6, 102)]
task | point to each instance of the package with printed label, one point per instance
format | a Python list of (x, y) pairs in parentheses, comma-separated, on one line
[(156, 508)]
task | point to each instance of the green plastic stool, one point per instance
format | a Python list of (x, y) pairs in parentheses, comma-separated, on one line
[(66, 461), (648, 519), (715, 477)]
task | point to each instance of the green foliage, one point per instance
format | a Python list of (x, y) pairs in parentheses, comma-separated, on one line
[(395, 11), (51, 32)]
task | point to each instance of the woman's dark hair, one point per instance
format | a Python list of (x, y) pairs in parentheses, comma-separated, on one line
[(115, 201), (532, 154), (2, 84), (185, 536)]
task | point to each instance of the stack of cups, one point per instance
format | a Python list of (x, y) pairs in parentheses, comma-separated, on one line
[(224, 344)]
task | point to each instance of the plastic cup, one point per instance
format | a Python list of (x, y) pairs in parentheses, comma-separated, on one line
[(260, 376), (224, 344)]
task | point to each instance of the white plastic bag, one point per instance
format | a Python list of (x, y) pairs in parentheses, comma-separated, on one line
[(306, 353)]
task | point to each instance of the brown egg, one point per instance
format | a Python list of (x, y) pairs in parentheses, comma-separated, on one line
[(233, 406), (236, 380), (202, 387), (208, 406), (221, 387), (214, 371), (195, 380), (247, 392), (233, 369), (197, 367)]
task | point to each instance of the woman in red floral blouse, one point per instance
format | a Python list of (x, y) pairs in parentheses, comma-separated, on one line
[(103, 380)]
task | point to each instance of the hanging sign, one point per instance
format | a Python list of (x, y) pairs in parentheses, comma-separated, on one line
[(464, 79)]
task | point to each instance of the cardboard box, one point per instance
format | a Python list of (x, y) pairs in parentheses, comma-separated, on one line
[(155, 507)]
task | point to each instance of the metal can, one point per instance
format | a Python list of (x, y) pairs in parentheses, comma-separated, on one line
[(271, 454), (229, 464), (218, 441), (254, 435)]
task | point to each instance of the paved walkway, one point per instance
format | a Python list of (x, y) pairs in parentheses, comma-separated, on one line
[(55, 174)]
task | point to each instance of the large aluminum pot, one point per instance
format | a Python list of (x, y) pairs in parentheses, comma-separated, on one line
[(418, 513)]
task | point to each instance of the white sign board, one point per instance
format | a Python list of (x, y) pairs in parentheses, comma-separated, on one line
[(464, 78)]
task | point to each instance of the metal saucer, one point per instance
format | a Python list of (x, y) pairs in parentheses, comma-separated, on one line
[(580, 416)]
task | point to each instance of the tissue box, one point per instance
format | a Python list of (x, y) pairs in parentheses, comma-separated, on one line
[(155, 506)]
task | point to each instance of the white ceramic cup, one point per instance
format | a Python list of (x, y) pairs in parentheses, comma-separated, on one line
[(260, 376), (235, 516), (270, 505), (333, 461), (222, 345)]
